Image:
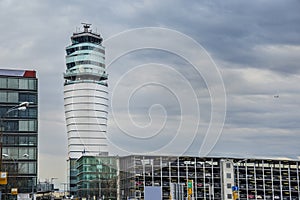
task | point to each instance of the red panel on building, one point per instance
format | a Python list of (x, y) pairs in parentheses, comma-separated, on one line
[(30, 74)]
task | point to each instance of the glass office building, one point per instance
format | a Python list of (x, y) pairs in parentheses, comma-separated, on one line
[(19, 129), (85, 99), (97, 177)]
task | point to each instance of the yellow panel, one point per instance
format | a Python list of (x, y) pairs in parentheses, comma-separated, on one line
[(3, 178), (14, 191)]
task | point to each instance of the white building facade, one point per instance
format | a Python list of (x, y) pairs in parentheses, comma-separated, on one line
[(85, 97)]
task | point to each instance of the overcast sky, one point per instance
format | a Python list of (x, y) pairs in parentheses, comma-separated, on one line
[(211, 61)]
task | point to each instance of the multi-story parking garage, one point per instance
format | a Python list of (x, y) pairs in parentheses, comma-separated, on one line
[(212, 178)]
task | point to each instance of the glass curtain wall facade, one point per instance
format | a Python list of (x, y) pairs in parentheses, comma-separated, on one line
[(19, 129), (97, 177), (85, 99)]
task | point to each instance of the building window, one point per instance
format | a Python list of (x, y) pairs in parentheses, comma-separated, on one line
[(228, 175), (11, 126), (27, 125), (10, 140), (228, 165), (23, 140), (27, 168), (19, 153), (13, 83), (32, 84), (229, 196), (12, 97), (32, 140), (28, 97), (3, 82), (23, 83), (3, 96), (228, 185), (20, 140), (28, 113), (30, 151)]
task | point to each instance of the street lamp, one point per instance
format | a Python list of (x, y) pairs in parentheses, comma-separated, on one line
[(52, 187), (22, 106), (25, 155), (16, 169)]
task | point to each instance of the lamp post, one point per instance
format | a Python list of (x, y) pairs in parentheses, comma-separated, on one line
[(22, 106), (16, 168), (52, 187), (64, 184)]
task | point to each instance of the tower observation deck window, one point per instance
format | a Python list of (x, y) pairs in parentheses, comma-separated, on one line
[(71, 50), (86, 38), (85, 62)]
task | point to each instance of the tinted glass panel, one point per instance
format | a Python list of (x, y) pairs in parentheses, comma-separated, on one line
[(27, 140), (28, 97), (23, 140), (32, 168), (10, 140), (3, 96), (32, 84), (27, 125), (23, 83), (13, 83), (11, 126), (13, 97), (3, 82), (28, 113), (32, 140)]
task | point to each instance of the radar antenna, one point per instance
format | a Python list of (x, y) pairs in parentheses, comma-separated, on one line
[(86, 26)]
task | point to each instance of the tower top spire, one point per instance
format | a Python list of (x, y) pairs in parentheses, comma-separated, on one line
[(86, 27), (86, 35)]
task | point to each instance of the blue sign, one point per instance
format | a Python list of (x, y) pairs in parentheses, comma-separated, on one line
[(235, 188)]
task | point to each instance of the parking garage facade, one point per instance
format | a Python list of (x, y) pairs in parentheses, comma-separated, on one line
[(213, 178)]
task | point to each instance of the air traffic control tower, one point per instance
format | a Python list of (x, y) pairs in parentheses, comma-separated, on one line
[(85, 98)]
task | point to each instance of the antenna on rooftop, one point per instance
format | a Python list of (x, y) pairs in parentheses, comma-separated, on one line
[(86, 26)]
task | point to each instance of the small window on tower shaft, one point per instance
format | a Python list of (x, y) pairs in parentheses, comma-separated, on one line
[(228, 175)]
